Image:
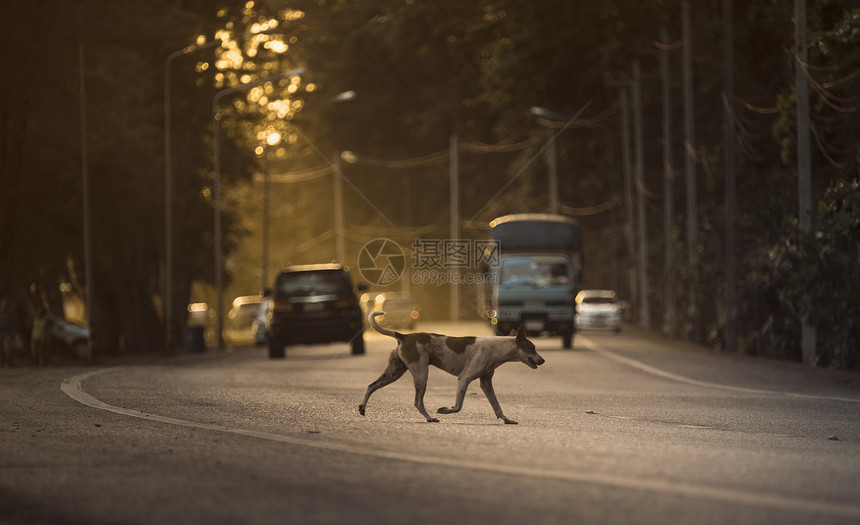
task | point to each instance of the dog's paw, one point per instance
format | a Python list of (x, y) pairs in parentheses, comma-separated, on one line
[(445, 410), (432, 420), (509, 421), (361, 409)]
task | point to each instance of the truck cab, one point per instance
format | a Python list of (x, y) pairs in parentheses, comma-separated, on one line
[(538, 275)]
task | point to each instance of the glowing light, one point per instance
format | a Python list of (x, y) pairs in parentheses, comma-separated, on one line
[(291, 15), (273, 138), (276, 46), (310, 88), (259, 150)]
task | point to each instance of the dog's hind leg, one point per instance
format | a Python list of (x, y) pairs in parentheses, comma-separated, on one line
[(395, 369), (487, 387), (420, 371)]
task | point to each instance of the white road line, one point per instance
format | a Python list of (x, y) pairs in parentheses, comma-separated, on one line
[(73, 388), (695, 382)]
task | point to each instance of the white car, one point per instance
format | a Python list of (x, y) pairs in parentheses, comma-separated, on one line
[(65, 336), (598, 310), (242, 320)]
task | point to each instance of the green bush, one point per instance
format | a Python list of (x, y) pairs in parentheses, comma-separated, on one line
[(814, 276)]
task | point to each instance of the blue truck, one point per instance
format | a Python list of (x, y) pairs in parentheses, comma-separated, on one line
[(538, 274)]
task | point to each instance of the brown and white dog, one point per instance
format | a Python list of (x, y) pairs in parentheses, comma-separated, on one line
[(468, 358)]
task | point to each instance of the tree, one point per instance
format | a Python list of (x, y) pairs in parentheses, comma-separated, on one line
[(815, 272), (122, 43)]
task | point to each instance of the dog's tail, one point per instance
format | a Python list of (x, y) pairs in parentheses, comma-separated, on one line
[(384, 331)]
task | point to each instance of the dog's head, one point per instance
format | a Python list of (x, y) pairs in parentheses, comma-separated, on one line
[(526, 350)]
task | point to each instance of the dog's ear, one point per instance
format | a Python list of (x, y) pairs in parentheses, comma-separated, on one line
[(521, 333)]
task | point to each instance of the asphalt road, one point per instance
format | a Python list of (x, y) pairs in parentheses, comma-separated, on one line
[(625, 428)]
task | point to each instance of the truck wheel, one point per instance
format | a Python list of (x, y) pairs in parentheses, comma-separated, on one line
[(277, 349), (567, 340), (358, 345)]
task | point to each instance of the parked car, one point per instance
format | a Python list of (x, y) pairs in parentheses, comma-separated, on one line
[(67, 337), (261, 334), (598, 310), (314, 304), (199, 314), (240, 327)]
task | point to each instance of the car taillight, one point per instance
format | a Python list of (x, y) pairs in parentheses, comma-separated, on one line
[(284, 306), (343, 302)]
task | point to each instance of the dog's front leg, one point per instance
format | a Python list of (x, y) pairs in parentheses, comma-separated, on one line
[(462, 385), (487, 387)]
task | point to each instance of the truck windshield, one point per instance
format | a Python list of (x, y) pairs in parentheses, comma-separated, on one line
[(533, 271)]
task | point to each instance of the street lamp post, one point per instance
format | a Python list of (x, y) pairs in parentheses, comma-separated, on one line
[(216, 154), (168, 194), (168, 182)]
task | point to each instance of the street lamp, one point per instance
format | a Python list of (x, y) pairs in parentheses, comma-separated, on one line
[(168, 180), (216, 154)]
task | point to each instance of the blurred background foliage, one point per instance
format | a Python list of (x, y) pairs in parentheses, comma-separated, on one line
[(424, 72)]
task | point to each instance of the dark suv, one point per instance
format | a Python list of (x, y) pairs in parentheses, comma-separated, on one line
[(314, 304)]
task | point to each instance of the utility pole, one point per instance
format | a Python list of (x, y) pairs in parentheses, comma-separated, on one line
[(690, 147), (730, 341), (267, 190), (85, 183), (804, 162), (644, 309), (551, 155), (552, 160), (668, 194), (340, 249), (454, 231), (624, 109), (624, 105)]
